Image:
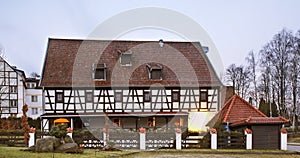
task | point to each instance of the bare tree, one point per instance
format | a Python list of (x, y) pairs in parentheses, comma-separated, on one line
[(277, 52), (239, 77), (294, 70), (252, 61), (231, 75)]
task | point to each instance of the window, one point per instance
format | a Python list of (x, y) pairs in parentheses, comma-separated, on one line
[(151, 122), (13, 103), (34, 111), (147, 96), (179, 122), (89, 97), (59, 97), (34, 98), (175, 96), (32, 85), (125, 58), (118, 97), (154, 72), (203, 96), (13, 89), (116, 122), (100, 72)]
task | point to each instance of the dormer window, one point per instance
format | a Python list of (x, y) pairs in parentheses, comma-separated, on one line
[(100, 72), (155, 72), (125, 58)]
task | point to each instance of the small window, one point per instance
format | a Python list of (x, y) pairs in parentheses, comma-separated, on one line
[(175, 96), (203, 96), (34, 111), (13, 89), (33, 85), (118, 97), (151, 122), (100, 72), (13, 103), (147, 96), (116, 122), (125, 59), (155, 72), (89, 97), (34, 98), (59, 97)]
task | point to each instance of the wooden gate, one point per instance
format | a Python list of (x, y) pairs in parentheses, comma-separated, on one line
[(231, 141)]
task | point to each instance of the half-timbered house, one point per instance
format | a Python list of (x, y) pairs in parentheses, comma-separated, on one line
[(133, 84), (11, 90)]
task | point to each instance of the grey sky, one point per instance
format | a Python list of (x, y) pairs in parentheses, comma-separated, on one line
[(235, 26)]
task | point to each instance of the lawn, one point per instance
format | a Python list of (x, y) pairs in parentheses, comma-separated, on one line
[(15, 152)]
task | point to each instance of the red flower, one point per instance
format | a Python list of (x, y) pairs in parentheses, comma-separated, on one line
[(213, 131), (282, 130), (248, 131), (31, 130), (105, 130), (142, 130), (178, 130), (69, 130)]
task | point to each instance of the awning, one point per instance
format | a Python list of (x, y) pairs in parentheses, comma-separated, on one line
[(61, 120)]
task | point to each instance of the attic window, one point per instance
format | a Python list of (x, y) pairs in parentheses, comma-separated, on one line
[(125, 58), (155, 72), (203, 96), (100, 72)]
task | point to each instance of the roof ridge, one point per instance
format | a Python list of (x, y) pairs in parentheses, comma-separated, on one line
[(229, 108), (119, 40)]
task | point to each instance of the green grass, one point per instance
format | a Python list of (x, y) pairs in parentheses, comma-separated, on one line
[(16, 152), (294, 140)]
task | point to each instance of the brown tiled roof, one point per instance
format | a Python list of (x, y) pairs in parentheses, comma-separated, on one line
[(70, 63), (238, 111)]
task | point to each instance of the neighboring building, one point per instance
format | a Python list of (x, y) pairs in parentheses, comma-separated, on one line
[(11, 90), (33, 97), (17, 90), (156, 85), (238, 114)]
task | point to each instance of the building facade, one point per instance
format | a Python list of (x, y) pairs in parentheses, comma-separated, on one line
[(12, 90), (128, 84), (33, 97)]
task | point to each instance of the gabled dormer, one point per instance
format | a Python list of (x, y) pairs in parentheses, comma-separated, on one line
[(154, 71)]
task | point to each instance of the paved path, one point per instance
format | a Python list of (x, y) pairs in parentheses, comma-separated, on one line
[(294, 147)]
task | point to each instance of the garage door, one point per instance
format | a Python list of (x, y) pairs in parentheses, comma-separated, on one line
[(266, 137)]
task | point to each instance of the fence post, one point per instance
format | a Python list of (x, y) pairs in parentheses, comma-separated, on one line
[(105, 135), (213, 136), (70, 132), (248, 133), (142, 138), (31, 137), (178, 138), (283, 139)]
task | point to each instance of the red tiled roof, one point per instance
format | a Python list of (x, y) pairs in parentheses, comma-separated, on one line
[(70, 63), (260, 120), (237, 108), (237, 111)]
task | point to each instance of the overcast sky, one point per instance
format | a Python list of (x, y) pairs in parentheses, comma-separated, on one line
[(235, 26)]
